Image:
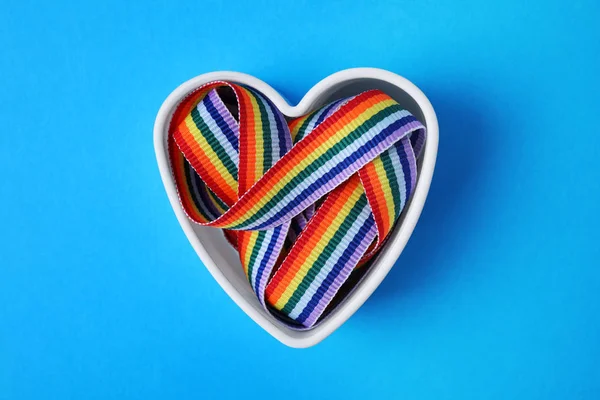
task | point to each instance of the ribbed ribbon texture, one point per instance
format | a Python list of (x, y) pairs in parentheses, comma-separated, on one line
[(306, 201)]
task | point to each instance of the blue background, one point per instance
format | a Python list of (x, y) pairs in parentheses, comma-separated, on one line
[(497, 295)]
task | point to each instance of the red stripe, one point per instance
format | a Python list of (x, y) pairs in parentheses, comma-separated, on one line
[(373, 197), (203, 172), (298, 152), (185, 196), (314, 231), (246, 156)]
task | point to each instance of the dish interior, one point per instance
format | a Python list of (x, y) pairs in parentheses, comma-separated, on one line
[(226, 258)]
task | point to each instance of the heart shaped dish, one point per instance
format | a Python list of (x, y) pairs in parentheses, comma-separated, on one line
[(222, 260)]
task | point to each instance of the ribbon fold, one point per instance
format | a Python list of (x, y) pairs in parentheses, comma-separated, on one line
[(305, 202)]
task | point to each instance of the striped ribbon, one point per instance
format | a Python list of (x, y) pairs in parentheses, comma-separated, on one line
[(305, 202)]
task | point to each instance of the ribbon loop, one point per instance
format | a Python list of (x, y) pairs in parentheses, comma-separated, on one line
[(304, 202)]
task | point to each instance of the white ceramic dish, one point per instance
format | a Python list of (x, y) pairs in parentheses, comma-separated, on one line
[(222, 261)]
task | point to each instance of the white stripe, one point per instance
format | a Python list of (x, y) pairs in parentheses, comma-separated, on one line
[(401, 179), (367, 136), (261, 254), (219, 134), (228, 117), (196, 190), (313, 121), (329, 264), (276, 145)]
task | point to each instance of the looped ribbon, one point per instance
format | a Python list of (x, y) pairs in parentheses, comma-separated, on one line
[(305, 202)]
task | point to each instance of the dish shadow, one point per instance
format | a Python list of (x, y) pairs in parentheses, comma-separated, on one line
[(464, 148)]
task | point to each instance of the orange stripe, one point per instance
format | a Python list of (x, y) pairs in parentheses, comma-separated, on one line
[(190, 102), (248, 139), (316, 138), (243, 246), (186, 198), (293, 124), (206, 176), (374, 191), (218, 184), (310, 238)]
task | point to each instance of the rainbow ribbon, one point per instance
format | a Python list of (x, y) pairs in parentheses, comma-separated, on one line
[(305, 202)]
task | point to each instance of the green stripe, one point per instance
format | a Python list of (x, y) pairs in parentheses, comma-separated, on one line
[(214, 144), (255, 250), (331, 246), (313, 117), (348, 140), (188, 178), (392, 180), (303, 127), (216, 199), (266, 134)]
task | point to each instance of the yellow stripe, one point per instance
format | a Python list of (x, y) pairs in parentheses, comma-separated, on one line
[(340, 134), (215, 161), (251, 237), (258, 139), (316, 251), (387, 195), (297, 126), (189, 195)]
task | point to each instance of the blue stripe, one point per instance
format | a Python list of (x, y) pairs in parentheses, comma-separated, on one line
[(405, 169), (413, 138), (214, 113), (282, 129), (335, 271), (204, 203), (326, 111), (319, 116), (338, 169), (295, 227), (417, 140), (266, 258)]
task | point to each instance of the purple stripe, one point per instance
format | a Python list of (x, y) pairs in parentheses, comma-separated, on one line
[(417, 140), (320, 116), (266, 267), (283, 133), (412, 162), (200, 196), (340, 272), (219, 112), (407, 167), (341, 172), (264, 262), (333, 107)]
